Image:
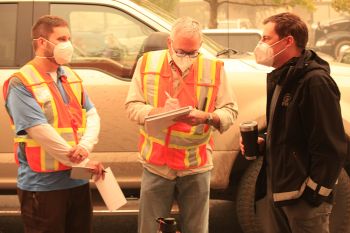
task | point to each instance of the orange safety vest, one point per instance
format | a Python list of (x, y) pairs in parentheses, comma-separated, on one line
[(181, 146), (67, 119)]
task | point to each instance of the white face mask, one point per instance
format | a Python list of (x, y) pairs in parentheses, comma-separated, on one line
[(264, 53), (183, 63), (62, 52)]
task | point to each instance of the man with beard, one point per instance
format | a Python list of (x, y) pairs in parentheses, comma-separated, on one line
[(56, 126)]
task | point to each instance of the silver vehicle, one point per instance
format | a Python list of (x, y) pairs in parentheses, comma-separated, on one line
[(108, 37), (240, 40)]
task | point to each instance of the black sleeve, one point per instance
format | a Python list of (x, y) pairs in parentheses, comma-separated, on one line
[(347, 161), (322, 121)]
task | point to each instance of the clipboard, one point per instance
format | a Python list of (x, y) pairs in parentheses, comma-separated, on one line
[(161, 121)]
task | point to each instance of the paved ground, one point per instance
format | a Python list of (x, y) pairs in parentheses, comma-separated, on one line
[(222, 217)]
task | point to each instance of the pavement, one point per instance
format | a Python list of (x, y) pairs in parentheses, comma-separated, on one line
[(223, 218)]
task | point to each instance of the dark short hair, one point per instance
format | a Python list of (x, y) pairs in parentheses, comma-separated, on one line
[(289, 24), (45, 25)]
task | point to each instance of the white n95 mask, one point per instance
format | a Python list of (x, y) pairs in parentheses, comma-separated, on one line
[(264, 53), (62, 52), (183, 62)]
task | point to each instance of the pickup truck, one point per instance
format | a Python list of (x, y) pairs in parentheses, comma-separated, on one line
[(108, 37)]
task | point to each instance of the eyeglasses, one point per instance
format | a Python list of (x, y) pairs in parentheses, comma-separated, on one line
[(181, 53)]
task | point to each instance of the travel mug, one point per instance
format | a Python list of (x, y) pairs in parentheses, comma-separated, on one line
[(249, 133), (166, 225)]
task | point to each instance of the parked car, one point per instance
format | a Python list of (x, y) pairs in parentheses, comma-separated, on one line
[(240, 40), (108, 79), (332, 36), (344, 56)]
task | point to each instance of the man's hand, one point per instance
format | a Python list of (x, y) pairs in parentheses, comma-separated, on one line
[(77, 154), (97, 169), (170, 104), (195, 117), (261, 143)]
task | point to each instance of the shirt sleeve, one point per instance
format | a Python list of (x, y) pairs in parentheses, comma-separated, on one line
[(226, 107), (23, 108), (135, 103), (88, 105)]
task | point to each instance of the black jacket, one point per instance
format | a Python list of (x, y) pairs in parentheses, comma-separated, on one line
[(306, 142)]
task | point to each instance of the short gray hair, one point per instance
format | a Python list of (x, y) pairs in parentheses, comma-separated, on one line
[(186, 25)]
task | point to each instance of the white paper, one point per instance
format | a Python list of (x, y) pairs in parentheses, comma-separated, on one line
[(155, 123), (110, 191)]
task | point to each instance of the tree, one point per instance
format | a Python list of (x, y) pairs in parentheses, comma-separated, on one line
[(214, 5), (341, 5)]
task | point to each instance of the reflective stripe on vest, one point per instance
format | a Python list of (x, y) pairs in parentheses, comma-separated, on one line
[(180, 146), (59, 115)]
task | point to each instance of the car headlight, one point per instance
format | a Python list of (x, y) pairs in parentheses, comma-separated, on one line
[(321, 43)]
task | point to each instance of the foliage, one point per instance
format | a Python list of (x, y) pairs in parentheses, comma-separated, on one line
[(309, 4), (341, 5)]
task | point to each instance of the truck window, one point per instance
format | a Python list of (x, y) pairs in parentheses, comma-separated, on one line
[(104, 38), (8, 22)]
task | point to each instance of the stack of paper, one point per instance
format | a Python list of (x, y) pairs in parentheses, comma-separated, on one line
[(110, 191), (157, 122), (108, 188)]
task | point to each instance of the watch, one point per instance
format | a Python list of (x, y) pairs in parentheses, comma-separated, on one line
[(209, 120)]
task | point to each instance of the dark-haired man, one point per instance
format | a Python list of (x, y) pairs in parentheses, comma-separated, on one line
[(56, 126), (305, 141)]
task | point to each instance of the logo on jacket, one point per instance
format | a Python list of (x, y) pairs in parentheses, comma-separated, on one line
[(286, 99)]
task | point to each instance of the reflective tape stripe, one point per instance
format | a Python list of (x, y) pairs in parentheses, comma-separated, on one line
[(29, 70), (182, 146), (323, 191), (289, 195), (211, 90), (192, 157), (189, 141), (42, 93), (151, 75), (200, 94)]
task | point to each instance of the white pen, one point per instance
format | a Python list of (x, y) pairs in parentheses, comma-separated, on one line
[(167, 94)]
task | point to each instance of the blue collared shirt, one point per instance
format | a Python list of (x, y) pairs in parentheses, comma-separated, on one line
[(27, 113)]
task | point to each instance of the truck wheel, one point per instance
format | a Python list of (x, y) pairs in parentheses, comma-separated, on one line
[(248, 220), (341, 44), (246, 198)]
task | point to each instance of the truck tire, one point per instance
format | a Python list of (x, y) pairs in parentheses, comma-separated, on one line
[(249, 222), (246, 198), (340, 44)]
